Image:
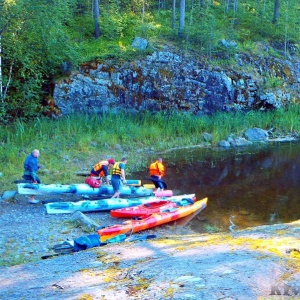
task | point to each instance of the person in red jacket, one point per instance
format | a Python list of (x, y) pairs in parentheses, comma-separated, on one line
[(157, 171)]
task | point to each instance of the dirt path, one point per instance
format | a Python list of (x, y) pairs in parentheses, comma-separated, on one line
[(178, 264)]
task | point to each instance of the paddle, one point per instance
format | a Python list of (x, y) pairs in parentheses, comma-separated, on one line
[(91, 241), (128, 238), (149, 185)]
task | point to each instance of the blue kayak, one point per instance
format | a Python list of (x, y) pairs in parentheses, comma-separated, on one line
[(81, 189), (106, 204)]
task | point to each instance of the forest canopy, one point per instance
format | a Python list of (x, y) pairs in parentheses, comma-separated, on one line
[(42, 40)]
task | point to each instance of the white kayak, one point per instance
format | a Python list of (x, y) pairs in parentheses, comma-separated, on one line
[(81, 189), (85, 189)]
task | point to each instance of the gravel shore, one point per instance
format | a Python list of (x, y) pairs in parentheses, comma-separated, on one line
[(178, 264)]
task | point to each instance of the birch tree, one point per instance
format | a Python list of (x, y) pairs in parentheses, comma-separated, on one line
[(34, 45)]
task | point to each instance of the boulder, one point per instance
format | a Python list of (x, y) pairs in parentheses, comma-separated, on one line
[(256, 134), (224, 144), (8, 195), (85, 222), (240, 142), (207, 137), (139, 43)]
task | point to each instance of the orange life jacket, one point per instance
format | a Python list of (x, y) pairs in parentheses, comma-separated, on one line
[(98, 167), (157, 169)]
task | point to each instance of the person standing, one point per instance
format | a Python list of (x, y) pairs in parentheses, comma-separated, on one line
[(157, 171), (101, 169), (31, 167), (118, 174)]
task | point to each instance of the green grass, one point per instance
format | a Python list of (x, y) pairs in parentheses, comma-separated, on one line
[(77, 142)]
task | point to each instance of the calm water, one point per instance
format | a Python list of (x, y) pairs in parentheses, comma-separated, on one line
[(250, 187)]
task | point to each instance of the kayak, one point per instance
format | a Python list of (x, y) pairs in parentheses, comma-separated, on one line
[(134, 182), (84, 189), (151, 207), (106, 204), (146, 222)]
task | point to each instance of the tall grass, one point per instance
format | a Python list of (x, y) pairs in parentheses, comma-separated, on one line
[(77, 142)]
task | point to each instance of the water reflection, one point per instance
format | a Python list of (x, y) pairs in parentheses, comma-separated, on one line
[(246, 188)]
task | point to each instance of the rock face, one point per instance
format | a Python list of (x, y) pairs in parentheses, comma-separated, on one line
[(250, 264), (167, 80)]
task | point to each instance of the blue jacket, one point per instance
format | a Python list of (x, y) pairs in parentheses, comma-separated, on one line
[(31, 166)]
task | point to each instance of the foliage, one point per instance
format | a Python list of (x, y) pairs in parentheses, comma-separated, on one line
[(273, 82), (42, 40), (113, 24), (80, 29), (32, 41)]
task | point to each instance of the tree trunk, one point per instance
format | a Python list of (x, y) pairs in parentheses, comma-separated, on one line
[(181, 17), (1, 99), (96, 18), (276, 11), (173, 14)]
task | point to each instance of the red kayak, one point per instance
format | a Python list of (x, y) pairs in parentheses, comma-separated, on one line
[(150, 208), (146, 222)]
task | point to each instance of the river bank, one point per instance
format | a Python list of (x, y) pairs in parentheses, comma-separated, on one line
[(178, 264), (77, 142)]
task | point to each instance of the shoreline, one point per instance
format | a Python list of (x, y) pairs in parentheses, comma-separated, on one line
[(178, 264)]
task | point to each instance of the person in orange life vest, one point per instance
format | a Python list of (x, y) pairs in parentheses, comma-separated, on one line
[(157, 171), (101, 169), (118, 173)]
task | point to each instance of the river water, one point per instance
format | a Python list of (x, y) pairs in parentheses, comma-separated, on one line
[(245, 187)]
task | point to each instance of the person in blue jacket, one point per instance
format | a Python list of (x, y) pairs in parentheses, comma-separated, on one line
[(31, 167)]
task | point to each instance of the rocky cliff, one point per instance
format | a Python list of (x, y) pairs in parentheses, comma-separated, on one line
[(170, 80)]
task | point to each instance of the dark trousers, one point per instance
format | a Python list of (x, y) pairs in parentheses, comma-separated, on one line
[(28, 177), (158, 182)]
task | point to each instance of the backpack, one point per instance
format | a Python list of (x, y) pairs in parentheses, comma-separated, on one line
[(93, 182)]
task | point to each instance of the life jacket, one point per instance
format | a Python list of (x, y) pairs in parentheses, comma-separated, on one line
[(116, 169), (98, 167), (157, 169)]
